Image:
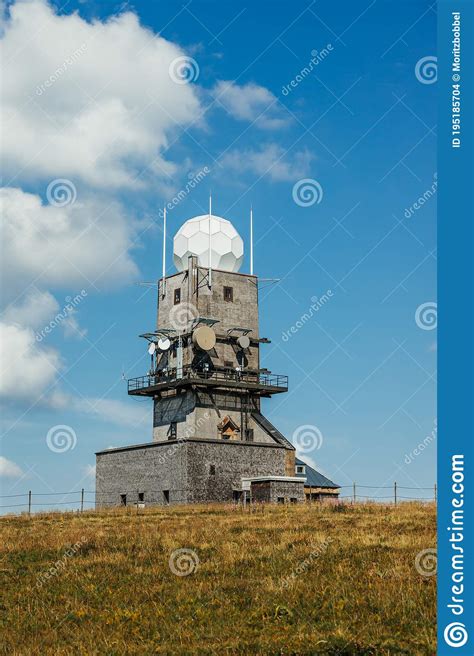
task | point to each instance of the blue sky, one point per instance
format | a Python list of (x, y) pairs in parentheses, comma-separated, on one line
[(361, 124)]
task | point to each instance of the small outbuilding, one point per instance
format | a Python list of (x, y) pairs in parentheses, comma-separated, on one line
[(317, 487)]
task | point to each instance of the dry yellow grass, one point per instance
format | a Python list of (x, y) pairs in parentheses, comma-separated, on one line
[(305, 579)]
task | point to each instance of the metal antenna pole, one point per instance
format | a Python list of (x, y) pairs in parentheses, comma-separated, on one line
[(251, 241), (164, 251), (210, 269)]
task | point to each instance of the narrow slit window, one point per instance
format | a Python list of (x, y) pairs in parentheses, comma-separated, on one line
[(228, 294), (212, 470), (177, 296), (123, 499)]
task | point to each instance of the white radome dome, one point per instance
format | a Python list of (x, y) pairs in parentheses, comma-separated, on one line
[(227, 247)]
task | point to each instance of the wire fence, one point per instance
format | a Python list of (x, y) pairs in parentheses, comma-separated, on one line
[(91, 500)]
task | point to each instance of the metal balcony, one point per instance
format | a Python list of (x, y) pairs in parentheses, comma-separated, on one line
[(263, 384)]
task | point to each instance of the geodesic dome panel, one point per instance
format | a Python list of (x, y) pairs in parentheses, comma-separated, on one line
[(227, 247)]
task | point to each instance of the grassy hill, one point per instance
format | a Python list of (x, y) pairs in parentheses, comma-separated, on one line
[(302, 579)]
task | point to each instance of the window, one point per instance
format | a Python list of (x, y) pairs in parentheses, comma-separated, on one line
[(280, 499), (300, 469), (293, 500), (228, 294), (249, 434), (227, 363), (166, 496), (123, 499), (141, 497), (177, 296), (212, 470), (173, 430)]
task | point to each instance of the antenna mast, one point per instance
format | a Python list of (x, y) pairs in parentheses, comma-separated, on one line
[(251, 241), (164, 251), (210, 269)]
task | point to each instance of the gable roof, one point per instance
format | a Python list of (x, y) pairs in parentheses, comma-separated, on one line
[(313, 477)]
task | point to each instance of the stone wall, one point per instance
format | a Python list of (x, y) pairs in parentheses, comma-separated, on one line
[(149, 468), (272, 491), (192, 471), (232, 461), (242, 311)]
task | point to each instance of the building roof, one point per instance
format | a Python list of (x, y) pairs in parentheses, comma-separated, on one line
[(269, 428), (315, 478)]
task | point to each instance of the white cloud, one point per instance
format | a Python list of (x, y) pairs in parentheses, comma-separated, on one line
[(69, 246), (27, 369), (71, 327), (135, 415), (250, 102), (9, 469), (32, 311), (270, 160), (89, 100)]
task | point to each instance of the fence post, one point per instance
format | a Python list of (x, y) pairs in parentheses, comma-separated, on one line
[(29, 503), (395, 492), (435, 492), (82, 500), (354, 492)]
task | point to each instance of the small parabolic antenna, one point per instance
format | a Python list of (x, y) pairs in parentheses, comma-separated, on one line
[(164, 343), (205, 338), (152, 348), (243, 341)]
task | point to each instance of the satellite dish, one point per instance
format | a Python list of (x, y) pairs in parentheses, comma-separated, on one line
[(243, 341), (205, 338), (152, 348), (164, 343)]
